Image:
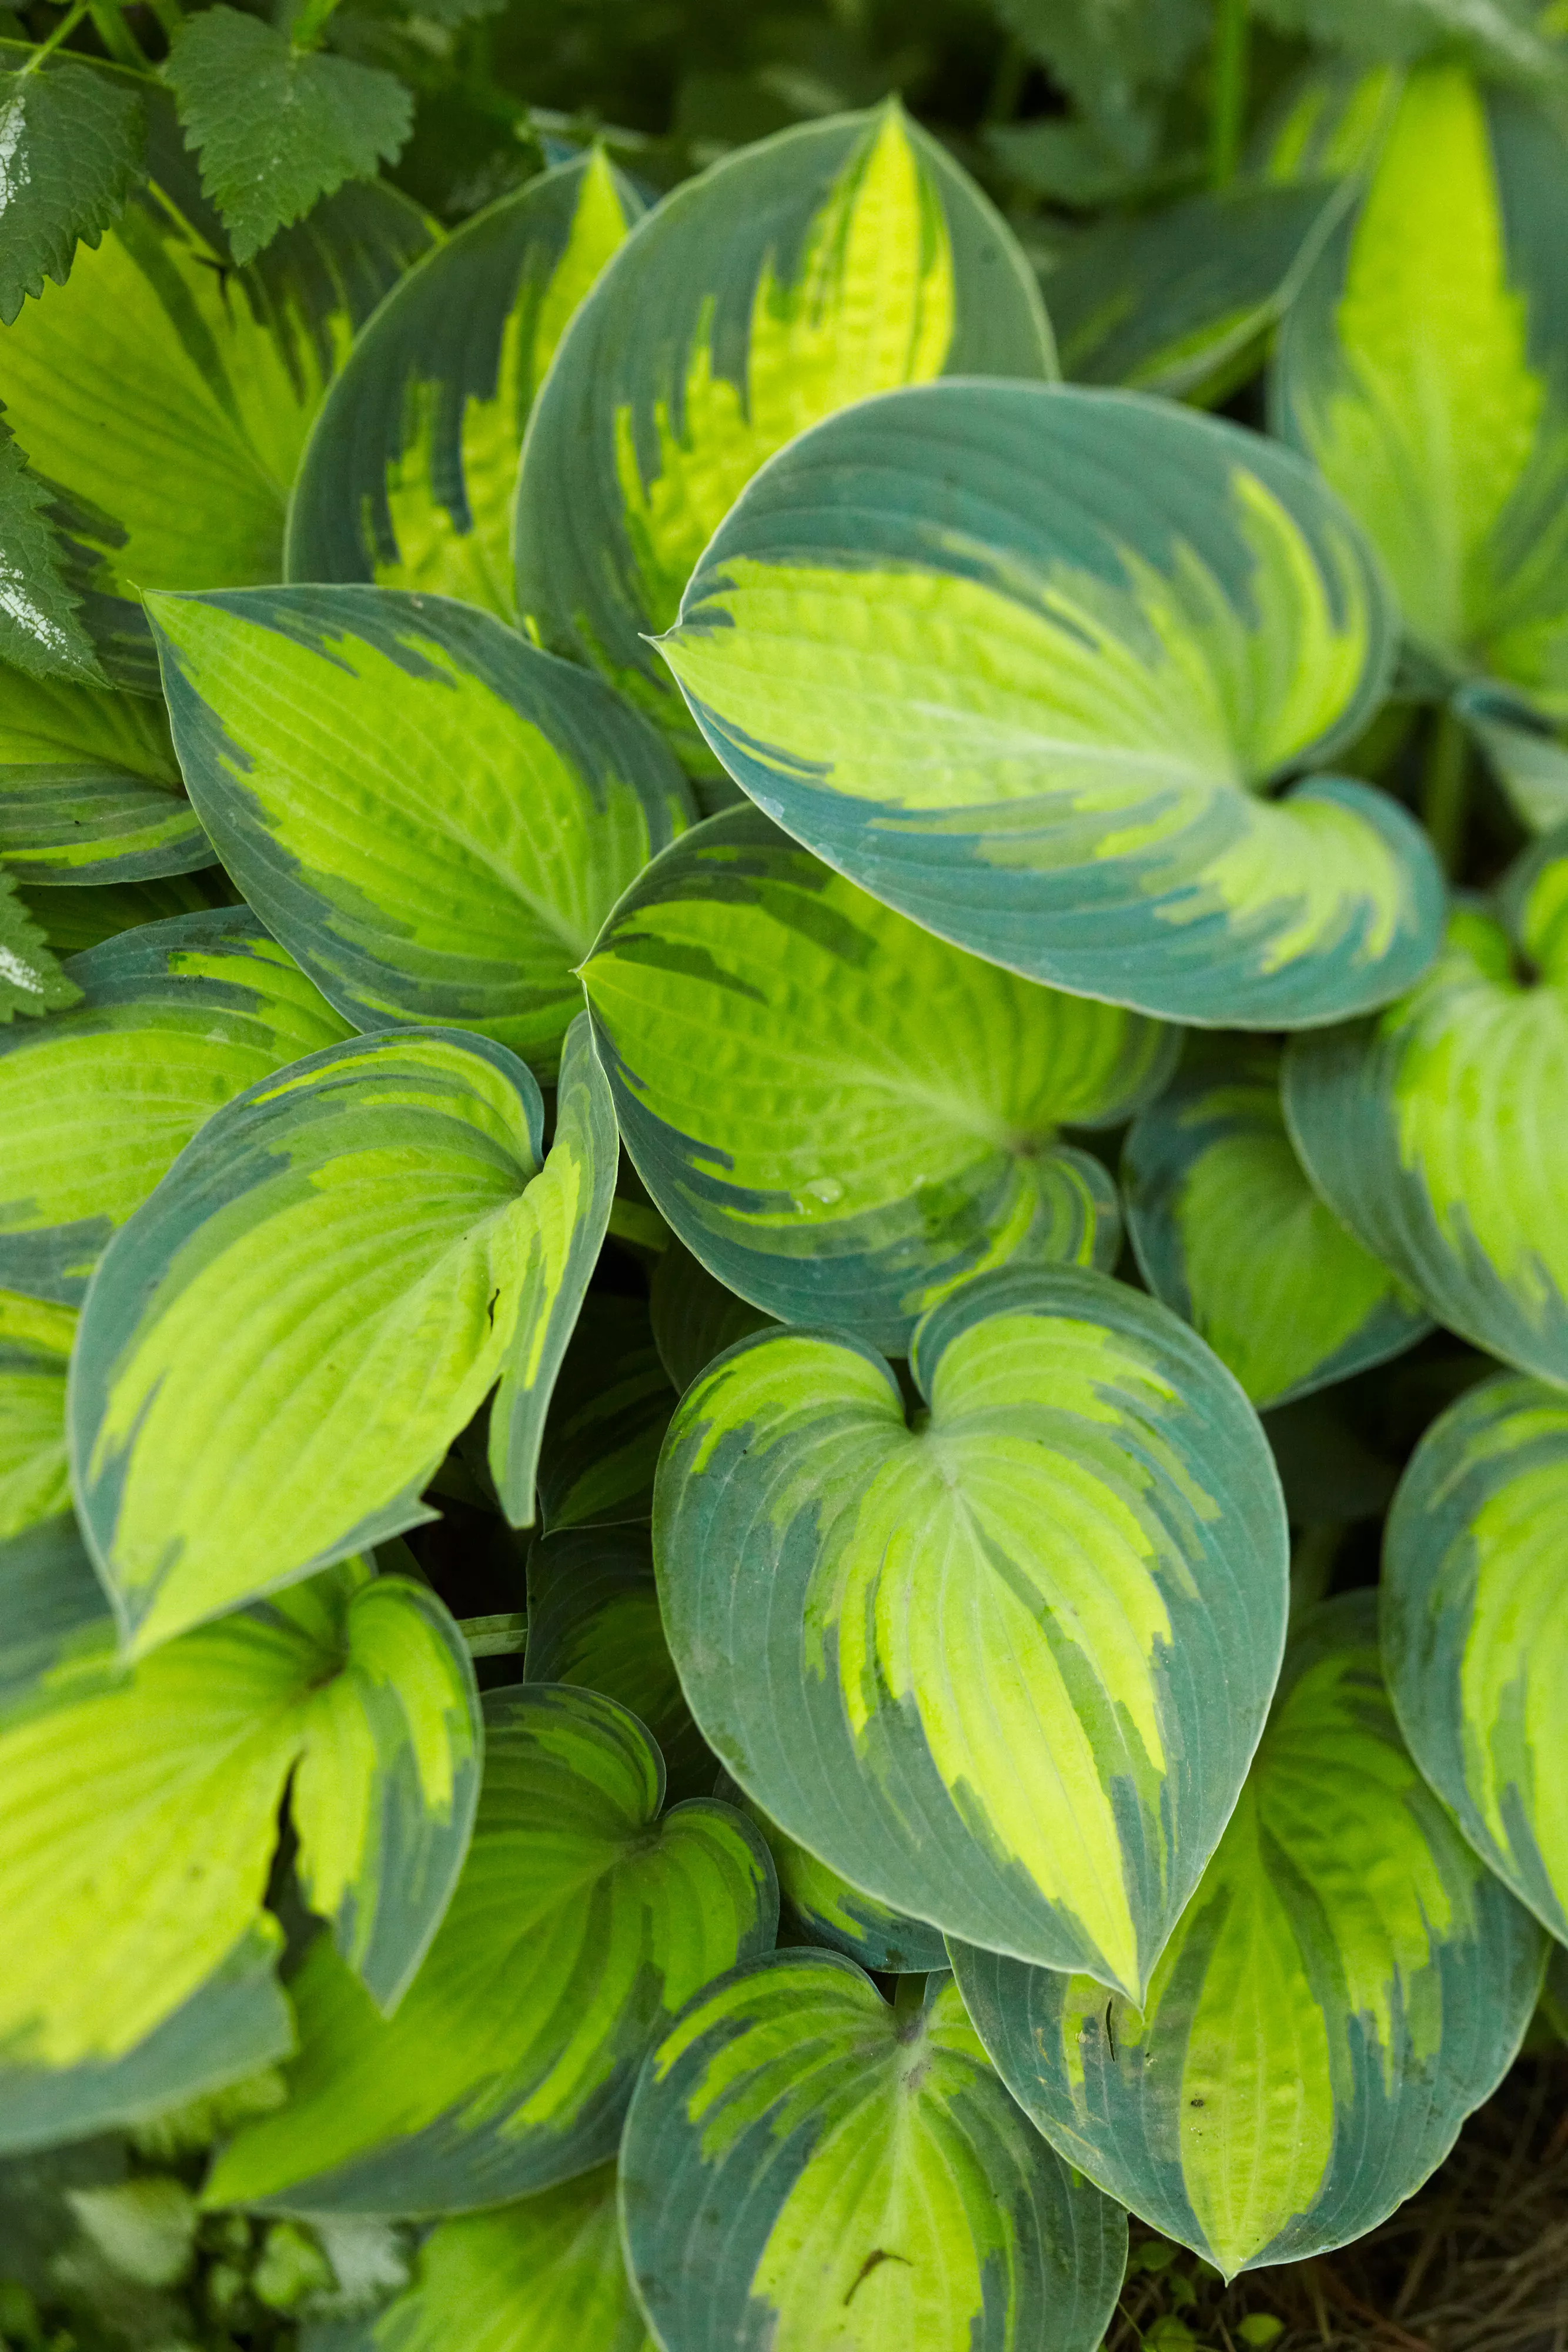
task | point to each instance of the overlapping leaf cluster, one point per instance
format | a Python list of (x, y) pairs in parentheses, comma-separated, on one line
[(711, 986)]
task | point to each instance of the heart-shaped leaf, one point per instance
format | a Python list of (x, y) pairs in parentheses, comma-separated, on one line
[(842, 1115), (608, 1416), (804, 2149), (1023, 661), (90, 788), (825, 1909), (280, 1346), (143, 1969), (35, 1349), (580, 1924), (409, 475), (212, 1004), (432, 816), (839, 258), (1345, 1985), (1229, 1232), (1475, 1629), (694, 1317), (1436, 1134), (972, 1663)]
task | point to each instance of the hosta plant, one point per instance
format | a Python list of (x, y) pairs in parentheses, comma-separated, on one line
[(758, 1075)]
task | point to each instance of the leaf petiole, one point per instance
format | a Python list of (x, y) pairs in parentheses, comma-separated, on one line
[(62, 32)]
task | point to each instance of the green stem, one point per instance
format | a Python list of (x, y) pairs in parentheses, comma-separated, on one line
[(311, 23), (116, 35), (1443, 787), (909, 1999), (1229, 99), (1007, 88), (62, 32)]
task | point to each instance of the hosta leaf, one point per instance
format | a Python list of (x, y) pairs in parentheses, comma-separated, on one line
[(1425, 369), (694, 1317), (31, 980), (169, 395), (35, 1349), (839, 259), (1475, 1629), (1501, 33), (74, 919), (825, 1909), (410, 474), (1229, 1232), (970, 1662), (1436, 1131), (804, 2149), (1345, 1985), (1329, 121), (278, 127), (1022, 661), (544, 2274), (41, 631), (89, 787), (71, 143), (211, 1004), (144, 1946), (607, 1421), (581, 1923), (279, 1346), (840, 1115), (593, 1619), (54, 1610), (1528, 757), (432, 816)]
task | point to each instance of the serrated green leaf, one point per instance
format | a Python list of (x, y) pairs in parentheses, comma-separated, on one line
[(834, 260), (35, 1349), (826, 1910), (70, 151), (277, 128), (1022, 661), (694, 1317), (608, 1416), (577, 1905), (964, 1662), (805, 2149), (279, 1346), (90, 788), (31, 980), (41, 633), (1435, 1132), (211, 1003), (840, 1115), (1475, 1629), (1229, 1232), (433, 816), (410, 475), (143, 1973), (1344, 1986)]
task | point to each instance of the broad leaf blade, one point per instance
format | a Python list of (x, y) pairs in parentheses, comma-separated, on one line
[(608, 1416), (1085, 1534), (73, 919), (41, 631), (1021, 659), (1345, 1985), (802, 2148), (694, 1317), (90, 788), (31, 980), (410, 474), (35, 1349), (824, 1909), (72, 144)]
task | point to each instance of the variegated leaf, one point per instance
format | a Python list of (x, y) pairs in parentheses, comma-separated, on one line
[(581, 1923), (824, 1909), (1002, 1663), (694, 1317), (608, 1416), (35, 1347), (1345, 1985), (89, 787), (75, 918)]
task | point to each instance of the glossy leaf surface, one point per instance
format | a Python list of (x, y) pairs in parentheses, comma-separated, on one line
[(35, 1349), (410, 471), (1345, 1985), (608, 1416), (578, 1930), (1229, 1232), (72, 145), (1475, 1629), (825, 1909), (972, 1664), (805, 2149), (840, 1115), (89, 787), (1023, 661), (839, 258), (211, 1003)]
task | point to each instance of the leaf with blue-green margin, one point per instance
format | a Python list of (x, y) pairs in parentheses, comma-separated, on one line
[(1026, 661), (840, 1115), (1346, 1984), (32, 982), (837, 2169), (89, 787), (210, 1004), (824, 1909), (542, 2274), (1435, 1131), (142, 1817), (430, 814), (169, 395), (1475, 1628), (593, 1619), (75, 918), (607, 1420), (1003, 1666), (583, 1920), (694, 1317), (410, 474), (1524, 752), (281, 1345), (839, 259), (1326, 122), (35, 1349), (1228, 1232), (1424, 367), (52, 1606)]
